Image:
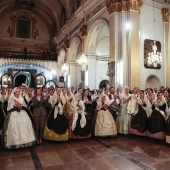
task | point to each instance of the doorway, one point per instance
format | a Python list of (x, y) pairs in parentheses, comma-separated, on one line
[(20, 79), (103, 84), (23, 77)]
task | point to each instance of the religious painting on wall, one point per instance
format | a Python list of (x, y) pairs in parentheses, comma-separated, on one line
[(152, 54), (111, 69), (40, 80), (23, 30), (61, 79)]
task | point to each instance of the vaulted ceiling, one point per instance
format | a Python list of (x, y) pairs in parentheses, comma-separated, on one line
[(50, 11)]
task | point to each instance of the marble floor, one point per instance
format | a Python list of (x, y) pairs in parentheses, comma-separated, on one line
[(111, 153)]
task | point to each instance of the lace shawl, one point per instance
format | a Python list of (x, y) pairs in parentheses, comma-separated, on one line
[(75, 112)]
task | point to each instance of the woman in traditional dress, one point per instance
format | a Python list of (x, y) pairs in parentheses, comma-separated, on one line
[(114, 106), (106, 91), (68, 97), (139, 120), (46, 95), (18, 130), (3, 95), (103, 122), (167, 99), (157, 121), (28, 101), (88, 103), (67, 105), (124, 118), (56, 127), (79, 124), (5, 103), (23, 89)]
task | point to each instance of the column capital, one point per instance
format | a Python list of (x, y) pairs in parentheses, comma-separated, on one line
[(112, 6), (115, 6), (135, 4), (165, 15)]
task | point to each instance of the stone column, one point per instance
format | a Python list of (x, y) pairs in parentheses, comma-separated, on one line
[(122, 60), (67, 46), (124, 43), (75, 74), (91, 71), (134, 44), (113, 9), (166, 60)]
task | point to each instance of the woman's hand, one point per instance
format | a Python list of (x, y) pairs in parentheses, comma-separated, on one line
[(80, 108), (17, 104), (156, 104), (89, 102), (59, 99)]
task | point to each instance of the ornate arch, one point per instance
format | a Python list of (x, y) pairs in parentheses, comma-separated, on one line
[(61, 56), (93, 33), (8, 83), (41, 82), (73, 50), (154, 79)]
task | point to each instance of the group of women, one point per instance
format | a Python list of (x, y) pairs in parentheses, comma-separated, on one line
[(28, 116), (145, 113)]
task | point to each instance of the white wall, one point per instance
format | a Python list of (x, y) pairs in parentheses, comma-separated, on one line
[(73, 75), (147, 32), (92, 72), (101, 69)]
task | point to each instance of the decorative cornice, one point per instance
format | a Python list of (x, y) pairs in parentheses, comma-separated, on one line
[(165, 14), (43, 63), (95, 11), (11, 29)]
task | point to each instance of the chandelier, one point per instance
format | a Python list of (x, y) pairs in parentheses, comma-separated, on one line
[(82, 61), (154, 58), (64, 67)]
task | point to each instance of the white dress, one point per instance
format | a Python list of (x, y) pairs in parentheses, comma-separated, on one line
[(104, 124), (18, 129)]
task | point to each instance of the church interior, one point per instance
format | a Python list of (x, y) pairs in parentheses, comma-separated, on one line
[(82, 44)]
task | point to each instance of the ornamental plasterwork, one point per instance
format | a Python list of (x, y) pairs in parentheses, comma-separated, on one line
[(112, 6), (11, 28), (135, 4), (123, 5), (165, 14)]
